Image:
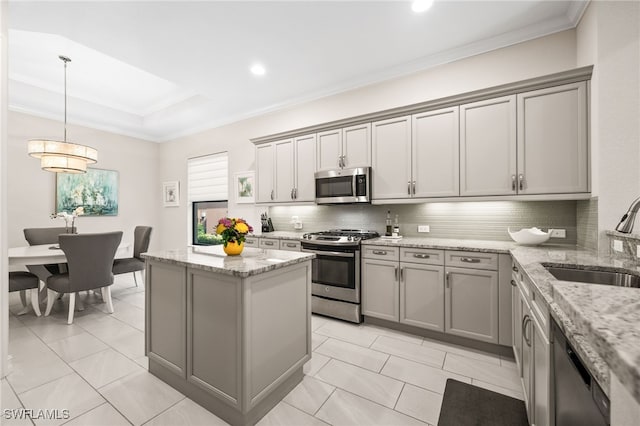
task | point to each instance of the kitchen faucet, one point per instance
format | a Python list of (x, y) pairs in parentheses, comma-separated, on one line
[(629, 218)]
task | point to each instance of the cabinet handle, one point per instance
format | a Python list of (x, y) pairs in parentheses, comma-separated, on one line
[(344, 161), (513, 283), (414, 187), (521, 181), (514, 268), (295, 193), (292, 193), (525, 322), (401, 274), (421, 256), (409, 188), (267, 243), (381, 252), (292, 245), (396, 273), (469, 260), (446, 279), (513, 182), (272, 194)]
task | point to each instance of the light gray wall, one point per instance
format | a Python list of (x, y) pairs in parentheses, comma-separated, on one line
[(608, 36), (31, 191), (546, 55), (463, 220)]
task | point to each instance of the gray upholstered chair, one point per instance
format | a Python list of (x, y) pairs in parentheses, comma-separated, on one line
[(38, 236), (141, 238), (90, 259), (23, 281)]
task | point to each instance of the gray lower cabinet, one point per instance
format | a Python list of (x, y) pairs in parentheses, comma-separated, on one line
[(380, 289), (541, 401), (166, 323), (422, 295), (471, 303)]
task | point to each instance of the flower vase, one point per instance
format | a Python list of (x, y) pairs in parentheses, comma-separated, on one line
[(233, 248)]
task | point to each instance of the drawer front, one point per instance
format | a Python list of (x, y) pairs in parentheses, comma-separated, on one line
[(269, 243), (381, 253), (290, 245), (472, 259), (423, 256), (252, 242)]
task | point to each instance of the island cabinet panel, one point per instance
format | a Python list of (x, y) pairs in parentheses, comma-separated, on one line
[(213, 319), (166, 316), (275, 312)]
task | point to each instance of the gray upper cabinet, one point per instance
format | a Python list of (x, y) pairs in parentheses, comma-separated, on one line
[(488, 147), (391, 158), (264, 173), (434, 159), (285, 170), (552, 140), (344, 148), (305, 158)]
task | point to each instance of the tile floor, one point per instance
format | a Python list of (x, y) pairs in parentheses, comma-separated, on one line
[(359, 375)]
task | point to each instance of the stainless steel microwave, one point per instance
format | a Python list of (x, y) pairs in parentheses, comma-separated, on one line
[(343, 186)]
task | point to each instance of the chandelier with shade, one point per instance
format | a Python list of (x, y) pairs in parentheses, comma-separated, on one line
[(62, 156)]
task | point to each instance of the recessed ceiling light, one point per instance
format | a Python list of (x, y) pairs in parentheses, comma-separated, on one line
[(258, 69), (420, 6)]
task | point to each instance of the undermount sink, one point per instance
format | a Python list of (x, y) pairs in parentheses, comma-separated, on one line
[(620, 279)]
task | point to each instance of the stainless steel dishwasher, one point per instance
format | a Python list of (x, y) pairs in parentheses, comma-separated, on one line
[(579, 400)]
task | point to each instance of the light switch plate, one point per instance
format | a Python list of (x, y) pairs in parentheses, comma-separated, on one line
[(558, 233), (617, 245), (423, 228)]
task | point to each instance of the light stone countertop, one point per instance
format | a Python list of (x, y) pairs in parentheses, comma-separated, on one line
[(252, 261), (601, 321), (281, 235)]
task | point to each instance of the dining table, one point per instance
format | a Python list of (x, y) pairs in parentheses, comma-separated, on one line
[(45, 254)]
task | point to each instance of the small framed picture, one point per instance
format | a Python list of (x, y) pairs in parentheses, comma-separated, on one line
[(171, 194), (245, 187)]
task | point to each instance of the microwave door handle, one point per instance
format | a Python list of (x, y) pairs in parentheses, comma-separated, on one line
[(354, 190)]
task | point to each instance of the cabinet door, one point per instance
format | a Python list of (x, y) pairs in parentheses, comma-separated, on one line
[(391, 158), (552, 140), (380, 289), (541, 400), (329, 149), (284, 171), (422, 295), (526, 354), (471, 303), (265, 170), (356, 145), (516, 326), (435, 161), (488, 147), (305, 160)]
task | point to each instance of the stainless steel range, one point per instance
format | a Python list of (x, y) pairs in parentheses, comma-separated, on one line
[(336, 271)]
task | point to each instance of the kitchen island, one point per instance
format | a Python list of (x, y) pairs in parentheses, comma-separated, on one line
[(230, 332)]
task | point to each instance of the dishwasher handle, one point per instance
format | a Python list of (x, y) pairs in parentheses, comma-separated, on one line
[(582, 370)]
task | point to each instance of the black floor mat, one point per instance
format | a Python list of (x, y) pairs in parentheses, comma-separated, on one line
[(467, 405)]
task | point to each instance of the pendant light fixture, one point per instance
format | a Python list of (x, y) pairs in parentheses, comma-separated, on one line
[(62, 156)]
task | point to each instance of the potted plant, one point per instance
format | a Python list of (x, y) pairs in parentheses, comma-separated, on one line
[(233, 231)]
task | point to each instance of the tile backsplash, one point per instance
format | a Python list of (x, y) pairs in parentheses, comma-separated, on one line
[(487, 220), (587, 223)]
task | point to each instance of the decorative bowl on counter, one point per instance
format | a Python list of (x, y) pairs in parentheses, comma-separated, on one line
[(529, 236)]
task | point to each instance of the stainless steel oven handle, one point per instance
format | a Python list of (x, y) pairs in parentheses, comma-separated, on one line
[(329, 253)]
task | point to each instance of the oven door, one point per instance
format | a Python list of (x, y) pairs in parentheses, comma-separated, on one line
[(335, 273)]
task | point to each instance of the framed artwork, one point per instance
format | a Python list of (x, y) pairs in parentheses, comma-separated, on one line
[(245, 187), (96, 191), (171, 194)]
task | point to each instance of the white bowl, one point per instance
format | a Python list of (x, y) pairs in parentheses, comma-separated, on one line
[(529, 236)]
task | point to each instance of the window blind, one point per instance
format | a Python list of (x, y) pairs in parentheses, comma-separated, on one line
[(208, 178)]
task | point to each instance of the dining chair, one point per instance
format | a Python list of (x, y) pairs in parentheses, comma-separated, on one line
[(141, 238), (22, 281), (90, 259)]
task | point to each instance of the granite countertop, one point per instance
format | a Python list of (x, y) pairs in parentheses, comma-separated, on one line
[(445, 244), (601, 321), (282, 235), (252, 261)]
